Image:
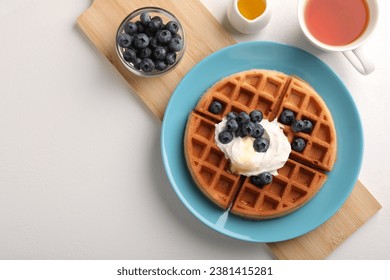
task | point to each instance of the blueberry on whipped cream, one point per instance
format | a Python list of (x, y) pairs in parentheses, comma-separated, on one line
[(256, 116), (243, 118), (261, 145), (254, 145), (231, 125)]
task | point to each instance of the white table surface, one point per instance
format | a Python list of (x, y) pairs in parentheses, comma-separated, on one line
[(81, 175)]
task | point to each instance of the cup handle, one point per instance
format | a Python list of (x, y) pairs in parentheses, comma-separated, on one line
[(360, 61)]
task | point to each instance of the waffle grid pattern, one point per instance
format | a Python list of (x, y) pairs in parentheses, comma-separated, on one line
[(270, 92), (320, 143), (245, 92), (209, 163), (293, 187)]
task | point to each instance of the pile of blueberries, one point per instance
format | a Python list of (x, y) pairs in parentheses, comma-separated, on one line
[(306, 126), (242, 125), (149, 44)]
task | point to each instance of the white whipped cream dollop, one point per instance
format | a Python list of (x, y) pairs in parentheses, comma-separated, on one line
[(243, 157)]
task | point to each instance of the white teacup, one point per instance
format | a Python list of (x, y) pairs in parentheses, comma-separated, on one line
[(244, 25), (352, 51)]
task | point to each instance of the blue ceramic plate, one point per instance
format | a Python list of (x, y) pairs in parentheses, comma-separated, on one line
[(290, 60)]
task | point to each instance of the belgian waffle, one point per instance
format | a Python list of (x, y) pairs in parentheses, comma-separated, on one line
[(303, 174)]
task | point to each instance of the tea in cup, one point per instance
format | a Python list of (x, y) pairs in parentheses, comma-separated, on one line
[(340, 25), (249, 16)]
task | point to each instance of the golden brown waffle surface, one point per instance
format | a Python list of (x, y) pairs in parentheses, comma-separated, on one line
[(321, 144), (303, 174), (245, 91), (294, 186)]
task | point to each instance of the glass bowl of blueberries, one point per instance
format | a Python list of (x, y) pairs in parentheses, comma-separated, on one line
[(150, 42)]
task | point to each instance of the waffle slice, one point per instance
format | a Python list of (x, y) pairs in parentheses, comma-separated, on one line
[(304, 101), (291, 189), (207, 164), (245, 91)]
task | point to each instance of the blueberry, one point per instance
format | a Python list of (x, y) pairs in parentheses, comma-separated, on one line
[(160, 53), (297, 125), (147, 65), (307, 127), (161, 65), (260, 145), (154, 25), (258, 131), (129, 55), (130, 27), (232, 115), (239, 133), (176, 36), (256, 116), (255, 180), (266, 178), (231, 125), (243, 118), (164, 36), (141, 41), (140, 27), (159, 19), (215, 107), (287, 117), (170, 58), (125, 40), (176, 44), (145, 19), (134, 49), (153, 42), (172, 26), (248, 128), (225, 137), (298, 144), (137, 63), (144, 53), (262, 179), (148, 32)]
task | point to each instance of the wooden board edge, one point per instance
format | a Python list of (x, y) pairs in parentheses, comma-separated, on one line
[(322, 241)]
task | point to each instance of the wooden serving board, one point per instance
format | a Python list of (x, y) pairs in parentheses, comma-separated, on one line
[(100, 22)]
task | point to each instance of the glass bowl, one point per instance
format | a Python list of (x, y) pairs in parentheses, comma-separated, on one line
[(166, 17)]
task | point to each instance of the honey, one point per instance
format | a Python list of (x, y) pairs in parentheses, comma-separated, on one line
[(251, 9)]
